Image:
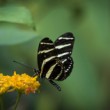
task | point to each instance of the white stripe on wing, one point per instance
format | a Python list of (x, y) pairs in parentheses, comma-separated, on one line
[(63, 54), (43, 43), (45, 61), (66, 38), (45, 51), (50, 70), (62, 46)]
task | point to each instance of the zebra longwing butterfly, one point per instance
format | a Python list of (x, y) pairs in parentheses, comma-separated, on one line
[(54, 58)]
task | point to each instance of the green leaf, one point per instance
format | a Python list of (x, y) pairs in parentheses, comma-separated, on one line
[(11, 34), (16, 14)]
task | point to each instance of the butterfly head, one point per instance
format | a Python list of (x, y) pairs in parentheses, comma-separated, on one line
[(37, 72)]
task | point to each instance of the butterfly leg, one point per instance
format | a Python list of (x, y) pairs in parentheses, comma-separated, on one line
[(36, 72), (55, 85)]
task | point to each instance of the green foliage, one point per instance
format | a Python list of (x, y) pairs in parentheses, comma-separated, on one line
[(16, 14), (16, 25), (11, 34)]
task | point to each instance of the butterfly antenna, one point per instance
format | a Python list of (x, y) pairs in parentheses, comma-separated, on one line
[(23, 64), (35, 70)]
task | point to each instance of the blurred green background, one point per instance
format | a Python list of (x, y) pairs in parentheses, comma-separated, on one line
[(23, 23)]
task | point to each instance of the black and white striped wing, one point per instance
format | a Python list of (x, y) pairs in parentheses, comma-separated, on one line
[(48, 64), (64, 45), (45, 50)]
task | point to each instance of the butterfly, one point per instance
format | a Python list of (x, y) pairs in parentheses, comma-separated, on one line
[(54, 58)]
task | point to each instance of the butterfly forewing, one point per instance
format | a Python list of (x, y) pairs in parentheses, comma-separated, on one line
[(46, 50), (47, 60), (64, 45)]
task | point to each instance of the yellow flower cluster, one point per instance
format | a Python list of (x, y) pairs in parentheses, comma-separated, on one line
[(23, 83), (4, 83)]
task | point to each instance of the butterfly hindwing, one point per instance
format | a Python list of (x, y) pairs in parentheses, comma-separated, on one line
[(53, 69), (67, 68)]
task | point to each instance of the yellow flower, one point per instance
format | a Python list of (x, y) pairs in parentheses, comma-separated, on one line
[(4, 83), (24, 83)]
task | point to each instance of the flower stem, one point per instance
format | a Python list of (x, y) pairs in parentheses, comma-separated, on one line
[(17, 100), (1, 103)]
